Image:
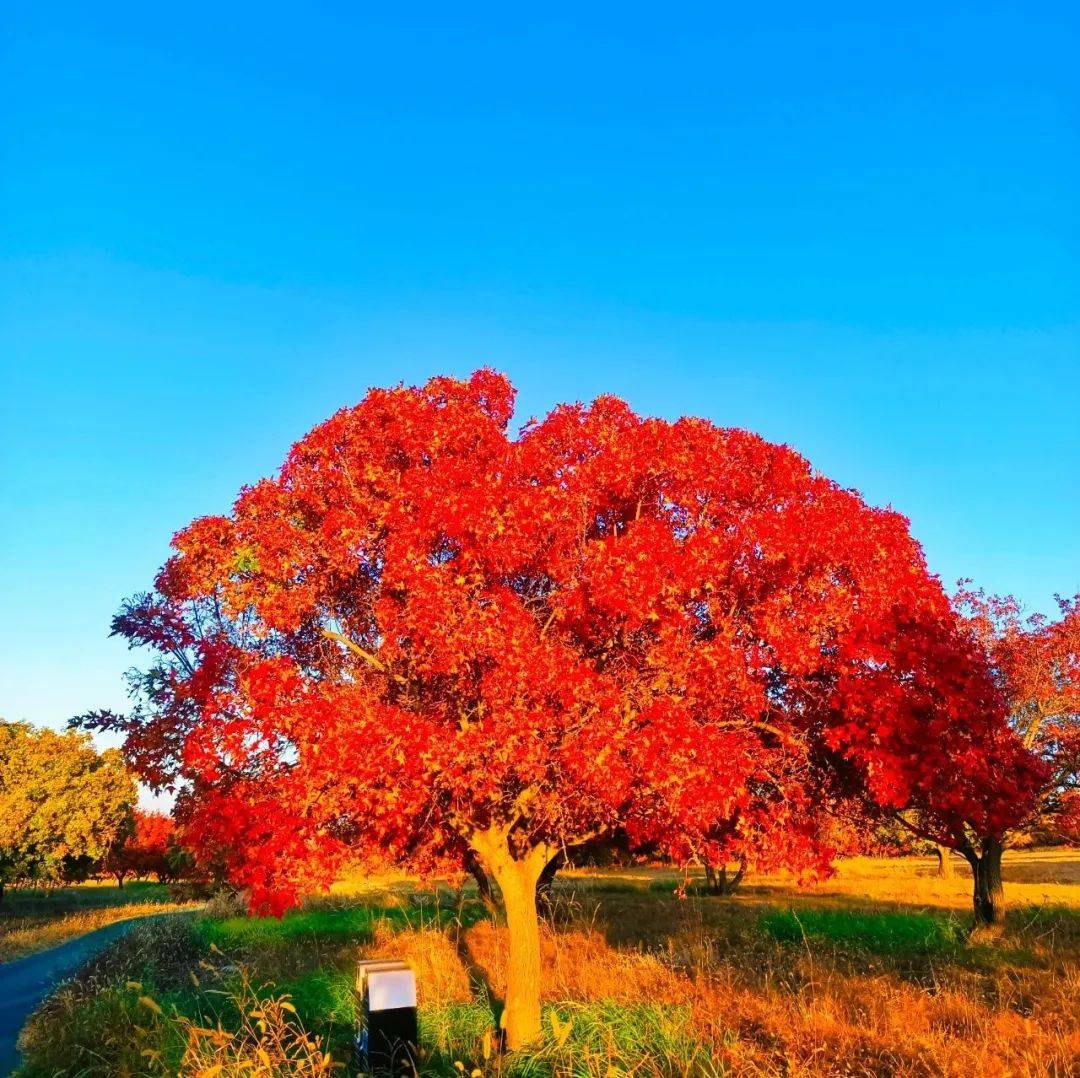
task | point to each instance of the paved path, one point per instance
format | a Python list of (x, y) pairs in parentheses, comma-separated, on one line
[(25, 982)]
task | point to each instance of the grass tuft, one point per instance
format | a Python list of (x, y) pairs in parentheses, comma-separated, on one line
[(880, 933)]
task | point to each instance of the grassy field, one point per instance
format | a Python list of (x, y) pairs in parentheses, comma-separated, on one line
[(868, 973), (32, 920)]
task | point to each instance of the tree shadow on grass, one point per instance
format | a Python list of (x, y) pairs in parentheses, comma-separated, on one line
[(751, 933)]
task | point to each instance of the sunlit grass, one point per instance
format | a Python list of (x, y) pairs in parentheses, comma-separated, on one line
[(881, 933), (841, 979), (600, 1038), (330, 922), (296, 927), (1045, 877), (33, 920)]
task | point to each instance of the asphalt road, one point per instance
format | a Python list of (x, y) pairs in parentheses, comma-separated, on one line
[(25, 982)]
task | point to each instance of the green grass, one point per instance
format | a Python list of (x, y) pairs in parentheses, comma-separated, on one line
[(586, 1038), (455, 1030), (879, 933), (322, 995), (330, 923), (34, 920), (326, 1005), (100, 1026), (356, 924), (31, 901), (104, 1034), (887, 954), (95, 1023)]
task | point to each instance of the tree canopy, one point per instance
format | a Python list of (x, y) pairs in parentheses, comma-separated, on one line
[(1036, 662), (61, 802), (431, 639), (147, 846)]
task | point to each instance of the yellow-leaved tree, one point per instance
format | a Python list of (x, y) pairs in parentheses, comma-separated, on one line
[(62, 804)]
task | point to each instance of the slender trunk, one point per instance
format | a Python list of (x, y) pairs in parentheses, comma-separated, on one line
[(733, 883), (944, 867), (120, 880), (719, 883), (988, 893), (547, 878), (713, 885), (483, 886)]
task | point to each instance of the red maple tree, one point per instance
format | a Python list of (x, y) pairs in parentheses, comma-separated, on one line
[(430, 640)]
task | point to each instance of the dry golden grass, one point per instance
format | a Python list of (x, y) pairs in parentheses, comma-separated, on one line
[(867, 973), (1044, 877), (578, 964), (441, 976), (762, 1009), (818, 1007), (31, 921), (1032, 878), (1047, 877), (813, 1012)]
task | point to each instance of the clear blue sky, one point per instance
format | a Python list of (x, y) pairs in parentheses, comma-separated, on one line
[(854, 232)]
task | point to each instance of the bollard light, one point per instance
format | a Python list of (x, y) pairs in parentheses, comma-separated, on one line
[(386, 1035)]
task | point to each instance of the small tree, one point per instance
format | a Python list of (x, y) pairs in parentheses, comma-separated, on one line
[(143, 848), (1035, 662), (428, 639), (120, 861), (62, 804), (158, 840)]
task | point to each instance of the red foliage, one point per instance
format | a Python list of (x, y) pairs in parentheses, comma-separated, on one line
[(1036, 662), (144, 848), (423, 628)]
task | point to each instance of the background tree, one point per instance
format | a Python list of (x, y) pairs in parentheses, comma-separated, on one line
[(995, 777), (430, 640), (120, 859), (158, 840), (144, 847), (62, 804), (888, 837), (1035, 661)]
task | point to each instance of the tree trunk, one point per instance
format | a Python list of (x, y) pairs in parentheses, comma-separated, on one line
[(547, 878), (733, 883), (483, 886), (712, 882), (120, 880), (988, 893), (944, 867), (719, 883), (521, 1013), (517, 878)]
